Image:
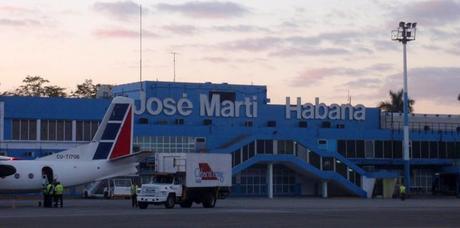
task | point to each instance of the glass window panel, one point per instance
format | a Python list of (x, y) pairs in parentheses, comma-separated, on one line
[(434, 150), (87, 131), (388, 149), (268, 146), (52, 130), (351, 148), (94, 127), (79, 130), (260, 147), (378, 149), (360, 148), (68, 130), (60, 130), (32, 129), (24, 130), (44, 130), (425, 149), (290, 146), (341, 147), (16, 129)]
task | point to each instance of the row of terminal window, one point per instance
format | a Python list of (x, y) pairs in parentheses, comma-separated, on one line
[(393, 149), (247, 123), (53, 130)]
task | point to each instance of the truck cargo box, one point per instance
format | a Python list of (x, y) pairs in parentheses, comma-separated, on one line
[(201, 169)]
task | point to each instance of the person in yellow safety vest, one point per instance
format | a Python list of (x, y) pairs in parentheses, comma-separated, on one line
[(58, 192), (48, 195), (134, 195), (402, 192)]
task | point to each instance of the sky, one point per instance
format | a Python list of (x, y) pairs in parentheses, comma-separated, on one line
[(329, 49)]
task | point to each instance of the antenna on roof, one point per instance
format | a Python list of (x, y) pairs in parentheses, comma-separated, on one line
[(174, 61), (348, 97), (140, 45)]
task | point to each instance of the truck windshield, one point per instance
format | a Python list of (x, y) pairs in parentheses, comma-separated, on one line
[(163, 180)]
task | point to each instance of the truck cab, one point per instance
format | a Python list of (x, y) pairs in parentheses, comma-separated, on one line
[(164, 189)]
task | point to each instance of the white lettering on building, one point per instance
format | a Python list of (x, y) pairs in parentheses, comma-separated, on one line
[(322, 111)]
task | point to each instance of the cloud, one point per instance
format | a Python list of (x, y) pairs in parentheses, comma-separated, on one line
[(22, 22), (208, 9), (310, 51), (363, 83), (252, 44), (119, 10), (316, 75), (216, 59), (240, 28), (181, 29), (432, 12), (122, 33), (15, 9), (439, 84)]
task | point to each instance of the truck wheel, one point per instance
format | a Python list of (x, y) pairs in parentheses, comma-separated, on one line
[(186, 204), (170, 201), (209, 201), (143, 205)]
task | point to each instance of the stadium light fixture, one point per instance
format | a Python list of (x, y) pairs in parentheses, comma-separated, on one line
[(405, 33)]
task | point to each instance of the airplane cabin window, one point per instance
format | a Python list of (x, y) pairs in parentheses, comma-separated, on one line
[(31, 176), (17, 175)]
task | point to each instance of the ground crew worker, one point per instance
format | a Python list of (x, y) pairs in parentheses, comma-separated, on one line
[(48, 195), (45, 194), (134, 195), (402, 192), (58, 192)]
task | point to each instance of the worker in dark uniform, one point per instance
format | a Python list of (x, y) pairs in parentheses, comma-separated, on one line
[(402, 192), (58, 192), (134, 195), (49, 191)]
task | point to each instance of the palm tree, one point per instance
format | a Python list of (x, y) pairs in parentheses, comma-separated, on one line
[(396, 103)]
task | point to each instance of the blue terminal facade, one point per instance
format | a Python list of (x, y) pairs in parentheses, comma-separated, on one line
[(300, 148)]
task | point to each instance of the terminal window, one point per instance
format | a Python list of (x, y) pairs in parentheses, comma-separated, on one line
[(56, 130), (24, 129)]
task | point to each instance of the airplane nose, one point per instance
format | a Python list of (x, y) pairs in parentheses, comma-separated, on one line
[(7, 170)]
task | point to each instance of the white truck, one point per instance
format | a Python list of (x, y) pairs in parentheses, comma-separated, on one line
[(187, 178)]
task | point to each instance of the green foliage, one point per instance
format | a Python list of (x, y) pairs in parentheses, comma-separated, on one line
[(85, 90), (36, 86), (396, 103)]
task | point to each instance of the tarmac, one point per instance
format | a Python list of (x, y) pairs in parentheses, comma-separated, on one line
[(238, 212)]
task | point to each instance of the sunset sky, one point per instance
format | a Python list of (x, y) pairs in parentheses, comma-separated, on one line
[(298, 48)]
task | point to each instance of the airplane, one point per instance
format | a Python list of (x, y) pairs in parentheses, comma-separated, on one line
[(108, 155)]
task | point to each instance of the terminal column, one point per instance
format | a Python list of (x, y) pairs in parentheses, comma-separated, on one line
[(270, 180), (324, 189)]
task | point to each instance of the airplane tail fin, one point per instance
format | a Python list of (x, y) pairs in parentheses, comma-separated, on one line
[(113, 138), (115, 133)]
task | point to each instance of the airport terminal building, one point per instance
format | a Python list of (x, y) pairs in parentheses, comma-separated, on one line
[(299, 148)]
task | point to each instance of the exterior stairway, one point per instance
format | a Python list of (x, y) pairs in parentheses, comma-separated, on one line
[(325, 165)]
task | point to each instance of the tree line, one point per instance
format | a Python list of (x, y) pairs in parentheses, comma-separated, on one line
[(38, 86)]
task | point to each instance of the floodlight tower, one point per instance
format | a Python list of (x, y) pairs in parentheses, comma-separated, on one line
[(404, 34)]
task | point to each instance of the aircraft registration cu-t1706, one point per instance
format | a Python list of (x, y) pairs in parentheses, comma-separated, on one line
[(109, 154)]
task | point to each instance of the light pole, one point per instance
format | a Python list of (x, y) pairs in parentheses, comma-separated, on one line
[(404, 34)]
